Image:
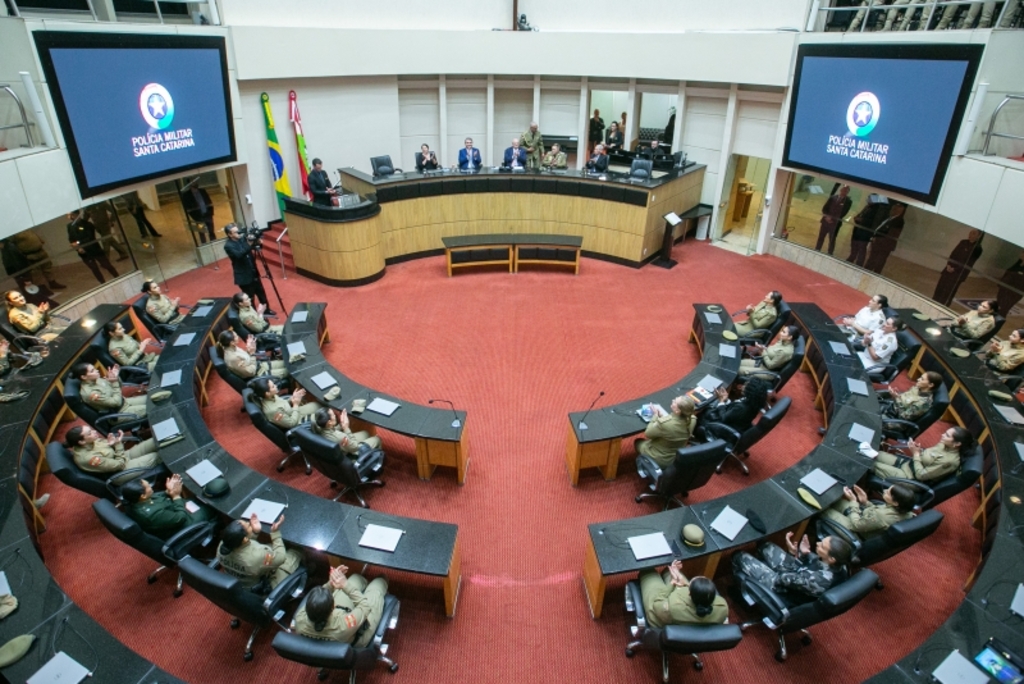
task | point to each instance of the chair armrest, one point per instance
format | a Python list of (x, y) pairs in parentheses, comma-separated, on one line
[(899, 425), (109, 421), (183, 541), (367, 453), (755, 335), (647, 467), (290, 587), (635, 601), (134, 375), (388, 620), (771, 604), (723, 432), (828, 527)]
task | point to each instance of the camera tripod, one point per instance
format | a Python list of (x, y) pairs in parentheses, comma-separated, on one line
[(258, 258)]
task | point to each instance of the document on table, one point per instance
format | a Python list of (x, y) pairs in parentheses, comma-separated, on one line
[(61, 669), (202, 311), (956, 669), (166, 429), (712, 318), (1020, 450), (840, 348), (1011, 414), (1016, 606), (818, 481), (184, 339), (300, 316), (267, 511), (5, 587), (857, 386), (380, 537), (709, 382), (382, 406), (171, 379), (324, 380), (296, 349), (728, 523), (727, 350), (649, 545), (203, 472), (859, 433)]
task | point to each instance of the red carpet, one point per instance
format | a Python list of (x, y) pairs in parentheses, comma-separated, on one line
[(517, 352)]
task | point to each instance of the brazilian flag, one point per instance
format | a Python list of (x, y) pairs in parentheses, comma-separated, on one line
[(276, 158)]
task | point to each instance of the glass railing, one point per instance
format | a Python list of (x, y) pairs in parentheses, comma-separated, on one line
[(919, 15)]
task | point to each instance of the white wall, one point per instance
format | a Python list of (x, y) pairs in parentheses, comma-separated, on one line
[(654, 109), (419, 122), (702, 139), (513, 111), (559, 112), (756, 125), (467, 118)]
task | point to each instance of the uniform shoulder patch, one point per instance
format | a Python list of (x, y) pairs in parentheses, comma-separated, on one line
[(95, 460), (268, 559), (350, 621)]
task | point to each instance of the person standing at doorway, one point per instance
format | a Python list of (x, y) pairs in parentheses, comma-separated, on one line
[(596, 131), (199, 207), (836, 207), (82, 237), (138, 212), (102, 217)]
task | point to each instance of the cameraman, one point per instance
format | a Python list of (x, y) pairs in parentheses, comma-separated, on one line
[(240, 250)]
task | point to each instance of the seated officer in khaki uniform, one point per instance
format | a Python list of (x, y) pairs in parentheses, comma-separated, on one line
[(867, 519), (252, 562), (760, 316), (31, 319), (126, 351), (774, 356), (346, 609), (668, 432), (162, 514), (94, 454), (975, 324), (282, 413), (334, 426), (104, 394), (915, 401), (252, 318), (555, 158), (672, 599), (1006, 356), (241, 362), (160, 306), (927, 464)]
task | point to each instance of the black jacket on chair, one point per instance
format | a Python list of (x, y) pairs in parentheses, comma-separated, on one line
[(738, 415)]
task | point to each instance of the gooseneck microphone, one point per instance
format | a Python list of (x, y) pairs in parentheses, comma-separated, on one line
[(583, 425), (455, 423)]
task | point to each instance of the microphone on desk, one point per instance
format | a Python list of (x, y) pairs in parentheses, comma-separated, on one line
[(583, 425), (455, 423)]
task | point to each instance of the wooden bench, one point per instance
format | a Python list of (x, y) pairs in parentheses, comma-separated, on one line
[(512, 250)]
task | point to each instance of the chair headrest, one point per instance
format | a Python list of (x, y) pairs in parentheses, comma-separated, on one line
[(119, 524)]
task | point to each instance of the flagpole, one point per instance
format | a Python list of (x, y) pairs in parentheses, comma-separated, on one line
[(300, 142)]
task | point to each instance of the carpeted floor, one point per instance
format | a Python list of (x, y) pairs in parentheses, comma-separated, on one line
[(517, 352)]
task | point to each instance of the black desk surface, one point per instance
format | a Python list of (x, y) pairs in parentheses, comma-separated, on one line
[(310, 521), (410, 419), (510, 239)]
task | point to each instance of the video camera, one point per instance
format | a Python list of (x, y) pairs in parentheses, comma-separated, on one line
[(251, 234)]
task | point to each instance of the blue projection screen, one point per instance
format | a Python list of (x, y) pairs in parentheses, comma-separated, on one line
[(882, 115), (138, 107)]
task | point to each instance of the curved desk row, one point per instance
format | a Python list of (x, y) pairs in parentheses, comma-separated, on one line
[(774, 500), (618, 220), (311, 522), (43, 608), (438, 443)]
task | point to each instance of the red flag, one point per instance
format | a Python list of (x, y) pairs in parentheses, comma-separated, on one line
[(300, 142)]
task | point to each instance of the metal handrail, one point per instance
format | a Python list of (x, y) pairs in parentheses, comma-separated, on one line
[(21, 110), (990, 132), (280, 252)]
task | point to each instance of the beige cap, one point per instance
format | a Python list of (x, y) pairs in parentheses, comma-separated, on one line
[(693, 535)]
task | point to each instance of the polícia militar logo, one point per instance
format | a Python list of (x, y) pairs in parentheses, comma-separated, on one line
[(863, 113), (156, 106)]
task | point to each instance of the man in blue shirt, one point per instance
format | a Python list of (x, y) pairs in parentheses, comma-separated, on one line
[(469, 157)]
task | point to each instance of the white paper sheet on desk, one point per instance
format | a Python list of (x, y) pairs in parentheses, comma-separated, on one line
[(267, 511), (1020, 450), (300, 316), (382, 406), (956, 669), (184, 339), (203, 472), (712, 317), (709, 382), (1011, 414), (1017, 605), (5, 587), (171, 379), (380, 537), (727, 350), (166, 429), (192, 507), (818, 481), (649, 545), (324, 380), (840, 348), (296, 348), (61, 669), (728, 523), (202, 311), (857, 386), (859, 433)]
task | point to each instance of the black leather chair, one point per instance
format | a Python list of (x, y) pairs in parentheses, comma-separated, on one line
[(692, 639), (382, 166), (104, 423), (166, 553), (327, 457), (334, 655), (62, 464), (763, 335), (161, 331), (265, 341), (897, 428), (907, 347), (978, 343), (99, 351), (780, 377), (693, 467), (227, 593), (238, 384), (897, 538), (931, 495), (20, 341), (740, 444), (275, 434), (785, 619), (641, 169)]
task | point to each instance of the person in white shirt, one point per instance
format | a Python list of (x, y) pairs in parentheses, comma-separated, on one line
[(880, 344), (867, 320)]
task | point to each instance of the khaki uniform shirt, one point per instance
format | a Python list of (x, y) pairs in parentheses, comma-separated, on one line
[(163, 310), (865, 520), (666, 604), (28, 318), (930, 464), (762, 316), (351, 608), (252, 321), (251, 562), (665, 435), (536, 141), (127, 352), (281, 413), (975, 326), (1008, 359), (775, 356), (100, 457), (555, 161), (912, 404), (243, 364), (5, 364), (103, 395)]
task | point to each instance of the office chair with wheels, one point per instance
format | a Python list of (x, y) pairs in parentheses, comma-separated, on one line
[(765, 335), (327, 457), (20, 341), (334, 655), (382, 166), (641, 169), (932, 494), (976, 344), (99, 351), (166, 553), (780, 377), (277, 435), (62, 464), (265, 341), (691, 639), (235, 382), (103, 422), (227, 593), (161, 331), (906, 351), (693, 467), (784, 619), (902, 430), (739, 444)]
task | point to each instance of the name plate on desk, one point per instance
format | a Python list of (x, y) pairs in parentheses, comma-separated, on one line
[(728, 523), (203, 472), (727, 350), (170, 379), (184, 339), (380, 537), (296, 349), (166, 430), (857, 386), (323, 380), (61, 669), (300, 316), (382, 406), (840, 348), (818, 481), (1010, 414), (712, 318), (649, 545), (267, 511), (709, 382), (202, 311), (859, 433)]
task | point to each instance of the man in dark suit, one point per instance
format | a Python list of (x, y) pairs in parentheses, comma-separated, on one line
[(469, 157), (599, 161), (515, 156), (82, 237), (247, 278), (654, 151), (199, 207), (320, 185)]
